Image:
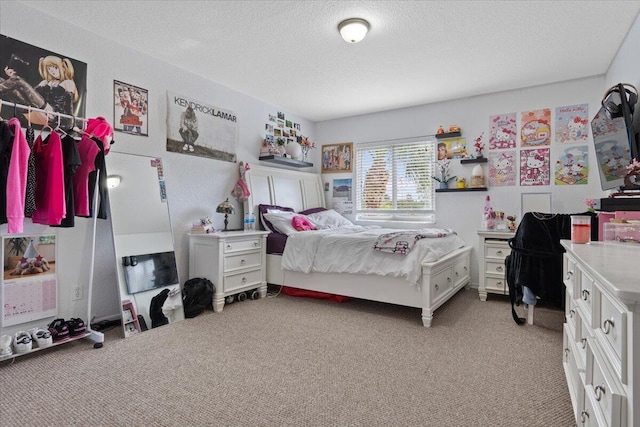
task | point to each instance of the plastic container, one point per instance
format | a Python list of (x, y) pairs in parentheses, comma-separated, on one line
[(580, 228), (247, 221), (252, 222)]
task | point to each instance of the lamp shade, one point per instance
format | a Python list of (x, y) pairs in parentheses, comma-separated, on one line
[(353, 30), (226, 208)]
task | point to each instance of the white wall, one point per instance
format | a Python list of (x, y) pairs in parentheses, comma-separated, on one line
[(195, 186)]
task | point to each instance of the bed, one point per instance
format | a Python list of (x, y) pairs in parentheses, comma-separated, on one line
[(437, 279)]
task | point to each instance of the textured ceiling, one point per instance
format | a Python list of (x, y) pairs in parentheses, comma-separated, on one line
[(290, 54)]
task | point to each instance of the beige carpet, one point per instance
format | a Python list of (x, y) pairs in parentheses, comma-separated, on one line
[(288, 361)]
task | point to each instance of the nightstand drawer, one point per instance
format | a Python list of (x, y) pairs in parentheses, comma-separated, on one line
[(242, 280), (237, 245), (497, 250), (495, 267), (242, 260), (495, 284)]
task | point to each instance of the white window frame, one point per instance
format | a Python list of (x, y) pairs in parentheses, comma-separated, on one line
[(395, 215)]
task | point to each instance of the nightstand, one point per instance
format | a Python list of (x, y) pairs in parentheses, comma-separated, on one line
[(493, 249), (235, 261)]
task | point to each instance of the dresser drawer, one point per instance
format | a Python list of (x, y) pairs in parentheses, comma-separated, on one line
[(495, 267), (570, 274), (572, 373), (611, 327), (237, 245), (570, 310), (245, 280), (496, 249), (603, 388), (585, 295), (461, 271), (241, 260)]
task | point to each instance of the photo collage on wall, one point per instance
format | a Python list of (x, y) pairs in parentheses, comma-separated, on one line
[(280, 132), (529, 151)]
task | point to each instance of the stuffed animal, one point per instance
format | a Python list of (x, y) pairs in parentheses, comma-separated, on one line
[(301, 223), (30, 266)]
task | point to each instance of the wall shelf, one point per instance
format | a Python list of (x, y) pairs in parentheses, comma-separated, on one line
[(453, 190), (272, 158), (480, 160), (448, 135)]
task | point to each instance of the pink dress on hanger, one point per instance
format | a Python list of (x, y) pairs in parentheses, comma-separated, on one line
[(17, 178), (88, 151), (50, 201)]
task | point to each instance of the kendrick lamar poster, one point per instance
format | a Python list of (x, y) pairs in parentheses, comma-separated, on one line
[(200, 129)]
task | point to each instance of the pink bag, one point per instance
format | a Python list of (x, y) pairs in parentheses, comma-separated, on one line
[(240, 190)]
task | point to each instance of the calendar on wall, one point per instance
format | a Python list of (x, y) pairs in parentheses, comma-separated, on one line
[(29, 280)]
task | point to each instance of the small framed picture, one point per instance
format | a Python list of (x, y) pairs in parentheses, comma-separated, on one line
[(337, 157)]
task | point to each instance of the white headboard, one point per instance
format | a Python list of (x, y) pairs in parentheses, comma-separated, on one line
[(283, 187)]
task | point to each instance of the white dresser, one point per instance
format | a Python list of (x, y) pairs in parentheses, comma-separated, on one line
[(235, 261), (601, 354), (493, 249)]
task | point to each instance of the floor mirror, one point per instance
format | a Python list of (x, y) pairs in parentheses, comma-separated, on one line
[(143, 241)]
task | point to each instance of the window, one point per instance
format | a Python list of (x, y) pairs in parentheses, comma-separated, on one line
[(393, 180)]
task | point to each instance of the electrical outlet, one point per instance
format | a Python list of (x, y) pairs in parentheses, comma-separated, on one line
[(77, 293)]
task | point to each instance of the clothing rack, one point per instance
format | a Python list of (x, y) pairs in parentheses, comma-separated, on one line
[(95, 336), (29, 109)]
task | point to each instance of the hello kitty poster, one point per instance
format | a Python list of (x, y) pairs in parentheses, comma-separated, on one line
[(572, 168), (502, 168), (502, 131), (572, 123), (534, 167), (536, 128)]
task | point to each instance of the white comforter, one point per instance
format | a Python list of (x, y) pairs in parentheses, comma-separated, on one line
[(350, 250)]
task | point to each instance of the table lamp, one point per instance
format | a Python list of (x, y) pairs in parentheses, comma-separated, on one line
[(226, 208)]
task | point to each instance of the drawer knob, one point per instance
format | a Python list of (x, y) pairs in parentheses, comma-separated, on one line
[(499, 253), (569, 274), (243, 261), (437, 287), (584, 416), (228, 246), (465, 268), (255, 243), (583, 341), (571, 313), (244, 280), (457, 274), (448, 279), (607, 325), (599, 391), (585, 294), (499, 268), (499, 282)]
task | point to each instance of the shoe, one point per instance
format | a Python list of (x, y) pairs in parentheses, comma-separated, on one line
[(76, 326), (41, 337), (185, 147), (5, 346), (22, 342), (59, 330), (191, 148)]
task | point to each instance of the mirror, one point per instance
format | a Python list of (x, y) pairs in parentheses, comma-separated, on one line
[(143, 241)]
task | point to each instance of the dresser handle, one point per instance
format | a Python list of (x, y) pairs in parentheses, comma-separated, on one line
[(242, 261), (585, 294), (436, 286), (457, 274), (244, 280), (599, 391), (228, 246), (255, 243), (583, 341), (499, 253), (499, 268), (569, 274), (465, 268), (571, 313), (448, 279), (499, 282), (584, 416), (607, 325), (566, 354)]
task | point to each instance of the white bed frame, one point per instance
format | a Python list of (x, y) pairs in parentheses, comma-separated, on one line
[(440, 280)]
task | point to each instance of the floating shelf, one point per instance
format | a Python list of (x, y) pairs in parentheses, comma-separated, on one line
[(480, 160), (272, 158), (448, 135), (453, 190)]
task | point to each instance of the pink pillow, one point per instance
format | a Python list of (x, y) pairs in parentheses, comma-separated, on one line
[(301, 223)]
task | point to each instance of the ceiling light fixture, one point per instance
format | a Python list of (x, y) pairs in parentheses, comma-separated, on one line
[(113, 181), (353, 30)]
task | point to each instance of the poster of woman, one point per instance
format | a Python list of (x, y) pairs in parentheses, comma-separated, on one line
[(43, 80)]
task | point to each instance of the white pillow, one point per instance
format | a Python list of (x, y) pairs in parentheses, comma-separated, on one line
[(281, 221), (328, 219)]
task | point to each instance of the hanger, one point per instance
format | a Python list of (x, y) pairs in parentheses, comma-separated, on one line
[(58, 129), (175, 291)]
